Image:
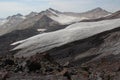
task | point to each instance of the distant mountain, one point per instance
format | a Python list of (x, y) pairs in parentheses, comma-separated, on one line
[(20, 22), (63, 18), (15, 16), (10, 22), (32, 14), (70, 17), (92, 14), (39, 21), (114, 15)]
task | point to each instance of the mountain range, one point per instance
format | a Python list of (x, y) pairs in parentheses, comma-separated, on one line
[(19, 22), (18, 27)]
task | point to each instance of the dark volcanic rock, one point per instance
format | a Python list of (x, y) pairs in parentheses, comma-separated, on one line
[(49, 77)]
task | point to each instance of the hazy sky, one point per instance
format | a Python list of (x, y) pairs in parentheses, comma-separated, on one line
[(10, 7)]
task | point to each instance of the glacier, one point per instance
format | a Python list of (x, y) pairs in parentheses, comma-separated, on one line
[(46, 41)]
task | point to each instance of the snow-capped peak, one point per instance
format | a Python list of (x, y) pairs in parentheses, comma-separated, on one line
[(98, 9), (53, 10), (32, 14), (61, 17), (16, 16), (65, 19)]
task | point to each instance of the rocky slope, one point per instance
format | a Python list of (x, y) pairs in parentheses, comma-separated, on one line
[(32, 14), (9, 23), (16, 35)]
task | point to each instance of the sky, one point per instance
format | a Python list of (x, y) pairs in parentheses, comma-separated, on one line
[(11, 7)]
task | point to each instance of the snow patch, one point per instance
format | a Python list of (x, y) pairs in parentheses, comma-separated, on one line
[(41, 30)]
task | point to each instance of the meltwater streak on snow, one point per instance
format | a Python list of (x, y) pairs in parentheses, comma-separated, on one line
[(47, 41)]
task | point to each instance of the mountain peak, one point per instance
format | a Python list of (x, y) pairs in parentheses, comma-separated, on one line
[(31, 14), (98, 12), (18, 14), (53, 10), (15, 16), (98, 9), (49, 12)]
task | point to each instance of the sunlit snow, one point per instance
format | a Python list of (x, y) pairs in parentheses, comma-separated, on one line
[(41, 30), (74, 32), (64, 19)]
